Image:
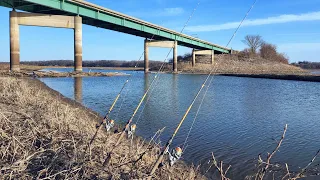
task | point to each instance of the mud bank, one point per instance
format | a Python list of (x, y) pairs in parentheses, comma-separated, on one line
[(305, 77), (57, 74)]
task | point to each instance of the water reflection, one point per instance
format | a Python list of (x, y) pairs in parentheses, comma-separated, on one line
[(78, 89), (174, 90), (239, 118)]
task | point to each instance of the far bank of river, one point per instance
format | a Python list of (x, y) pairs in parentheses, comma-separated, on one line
[(313, 76), (316, 71)]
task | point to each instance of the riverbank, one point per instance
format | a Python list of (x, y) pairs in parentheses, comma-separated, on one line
[(233, 64), (41, 74), (37, 71), (305, 77), (225, 65), (45, 135), (230, 65)]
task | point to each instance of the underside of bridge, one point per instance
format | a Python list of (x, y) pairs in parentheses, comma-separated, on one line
[(97, 16)]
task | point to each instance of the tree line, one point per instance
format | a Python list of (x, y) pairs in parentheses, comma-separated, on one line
[(259, 47), (307, 65)]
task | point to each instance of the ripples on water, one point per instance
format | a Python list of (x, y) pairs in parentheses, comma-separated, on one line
[(238, 120)]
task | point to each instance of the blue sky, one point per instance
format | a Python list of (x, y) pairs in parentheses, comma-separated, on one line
[(293, 25)]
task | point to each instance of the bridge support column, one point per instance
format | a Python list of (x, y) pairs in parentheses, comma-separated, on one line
[(14, 42), (193, 58), (212, 57), (175, 57), (146, 56), (77, 43), (202, 52), (163, 44), (44, 20), (77, 89)]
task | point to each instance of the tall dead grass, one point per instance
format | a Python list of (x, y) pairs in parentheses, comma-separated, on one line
[(43, 137), (231, 64)]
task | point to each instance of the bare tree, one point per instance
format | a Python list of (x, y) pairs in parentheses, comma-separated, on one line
[(254, 42)]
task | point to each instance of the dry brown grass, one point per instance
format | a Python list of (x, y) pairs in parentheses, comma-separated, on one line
[(227, 64), (44, 137)]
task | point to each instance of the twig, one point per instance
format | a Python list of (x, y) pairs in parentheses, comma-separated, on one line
[(220, 169), (278, 146), (305, 168), (228, 169), (262, 171), (288, 172), (49, 177)]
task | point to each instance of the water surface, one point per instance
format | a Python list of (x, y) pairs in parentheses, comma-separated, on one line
[(239, 119)]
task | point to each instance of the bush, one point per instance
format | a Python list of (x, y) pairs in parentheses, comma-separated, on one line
[(269, 52)]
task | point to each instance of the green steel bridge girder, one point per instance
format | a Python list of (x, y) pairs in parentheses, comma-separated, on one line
[(104, 18)]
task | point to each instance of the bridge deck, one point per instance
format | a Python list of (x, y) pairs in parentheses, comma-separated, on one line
[(105, 18)]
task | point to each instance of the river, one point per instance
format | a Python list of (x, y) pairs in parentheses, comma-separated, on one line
[(239, 119)]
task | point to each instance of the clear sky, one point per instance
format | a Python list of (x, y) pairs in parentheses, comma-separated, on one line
[(293, 25)]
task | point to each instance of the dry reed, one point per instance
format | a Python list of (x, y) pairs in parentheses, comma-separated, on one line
[(44, 137)]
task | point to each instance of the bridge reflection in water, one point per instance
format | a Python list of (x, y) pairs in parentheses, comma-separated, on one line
[(77, 89)]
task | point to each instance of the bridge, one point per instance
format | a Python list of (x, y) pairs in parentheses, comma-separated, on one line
[(73, 13)]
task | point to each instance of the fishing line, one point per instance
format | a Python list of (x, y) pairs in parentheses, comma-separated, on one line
[(143, 97), (123, 100), (154, 80), (187, 22), (187, 112), (200, 105)]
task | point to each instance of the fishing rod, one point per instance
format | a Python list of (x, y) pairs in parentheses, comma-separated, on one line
[(176, 130), (127, 126), (187, 112), (107, 114)]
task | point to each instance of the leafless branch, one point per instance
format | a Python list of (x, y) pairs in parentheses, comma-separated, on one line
[(254, 42), (305, 168), (288, 173), (220, 169), (262, 171)]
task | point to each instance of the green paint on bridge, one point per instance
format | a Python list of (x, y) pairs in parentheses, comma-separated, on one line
[(105, 18)]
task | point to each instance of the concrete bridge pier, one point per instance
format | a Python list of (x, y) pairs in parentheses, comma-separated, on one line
[(146, 56), (78, 44), (175, 57), (202, 52), (77, 85), (14, 42), (163, 44), (44, 20)]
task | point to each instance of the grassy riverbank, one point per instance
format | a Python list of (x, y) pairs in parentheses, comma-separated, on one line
[(233, 64), (44, 135), (229, 65)]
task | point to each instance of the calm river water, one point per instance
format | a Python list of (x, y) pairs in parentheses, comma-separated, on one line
[(240, 117)]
